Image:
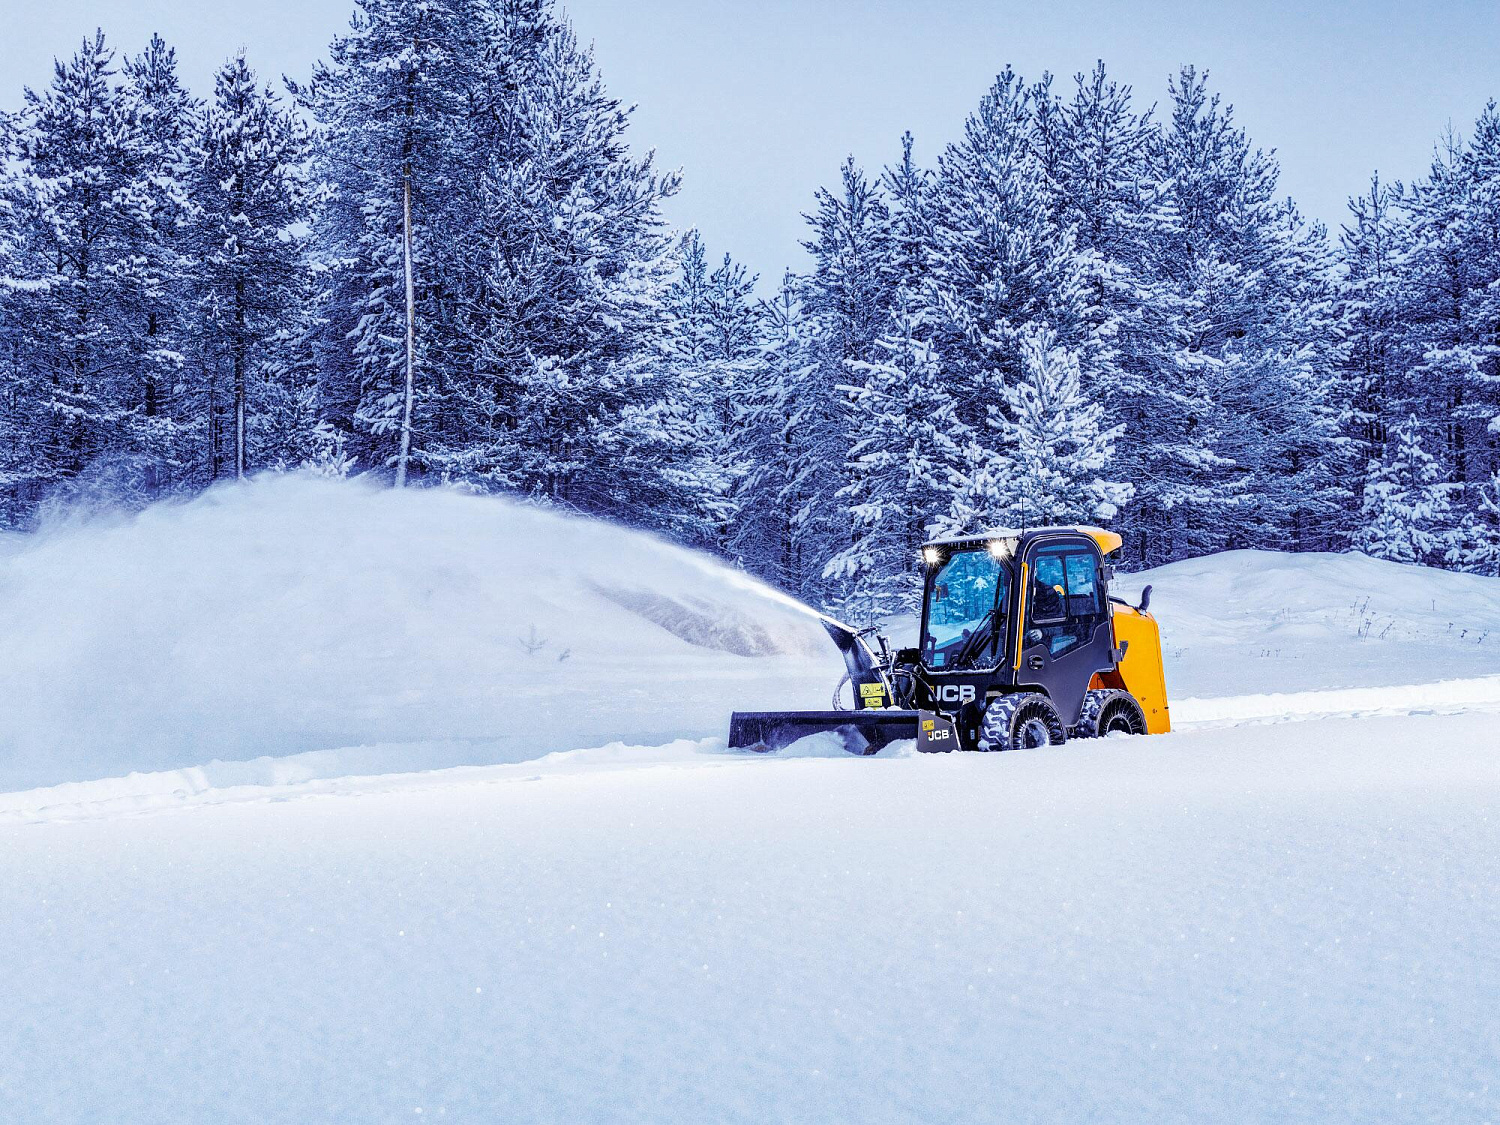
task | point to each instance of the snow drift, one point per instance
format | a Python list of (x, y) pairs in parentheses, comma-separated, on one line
[(1254, 622), (295, 614)]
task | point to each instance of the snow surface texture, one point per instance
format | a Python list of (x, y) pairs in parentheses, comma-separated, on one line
[(1235, 922), (301, 614), (1214, 926)]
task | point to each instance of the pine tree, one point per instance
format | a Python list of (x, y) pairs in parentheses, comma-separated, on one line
[(911, 243), (1056, 449), (1423, 317), (1405, 514), (716, 350), (906, 448), (399, 105), (847, 299), (1003, 267), (15, 430), (1373, 246), (1106, 187), (1451, 317), (1475, 544), (567, 317), (248, 201), (1255, 390), (159, 304), (76, 218), (1004, 270), (794, 434)]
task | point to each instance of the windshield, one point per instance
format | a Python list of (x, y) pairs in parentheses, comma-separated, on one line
[(965, 594)]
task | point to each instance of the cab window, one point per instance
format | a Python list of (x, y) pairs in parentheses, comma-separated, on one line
[(964, 595), (1066, 600)]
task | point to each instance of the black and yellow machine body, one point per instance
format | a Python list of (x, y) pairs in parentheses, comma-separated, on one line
[(1020, 644)]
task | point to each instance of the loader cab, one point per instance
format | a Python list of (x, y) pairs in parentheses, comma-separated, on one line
[(1017, 611)]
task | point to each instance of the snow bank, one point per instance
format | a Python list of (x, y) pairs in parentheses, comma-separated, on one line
[(1257, 622), (420, 628)]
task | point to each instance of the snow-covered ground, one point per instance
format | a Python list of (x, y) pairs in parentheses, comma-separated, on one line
[(1284, 911)]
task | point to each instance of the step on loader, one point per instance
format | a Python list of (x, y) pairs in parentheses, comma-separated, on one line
[(1021, 645)]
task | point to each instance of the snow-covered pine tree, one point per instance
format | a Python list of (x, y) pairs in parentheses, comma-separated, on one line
[(846, 297), (794, 437), (716, 351), (849, 286), (159, 306), (1003, 268), (1104, 186), (904, 437), (75, 220), (249, 202), (573, 362), (1254, 383), (1057, 452), (399, 107), (1426, 317), (1405, 513), (1373, 245), (911, 244), (906, 448), (1475, 544), (1453, 315), (15, 406)]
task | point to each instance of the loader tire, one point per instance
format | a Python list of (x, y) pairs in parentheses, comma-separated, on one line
[(1109, 712), (1021, 721)]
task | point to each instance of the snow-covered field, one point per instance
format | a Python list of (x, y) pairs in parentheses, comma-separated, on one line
[(1285, 911)]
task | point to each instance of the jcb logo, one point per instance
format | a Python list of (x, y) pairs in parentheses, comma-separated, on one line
[(955, 693)]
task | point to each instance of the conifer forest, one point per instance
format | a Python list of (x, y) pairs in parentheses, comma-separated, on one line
[(437, 260)]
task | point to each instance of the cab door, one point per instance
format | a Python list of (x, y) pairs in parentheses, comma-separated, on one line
[(1065, 631)]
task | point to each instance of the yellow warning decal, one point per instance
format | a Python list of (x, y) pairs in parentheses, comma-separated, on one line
[(928, 724), (872, 691)]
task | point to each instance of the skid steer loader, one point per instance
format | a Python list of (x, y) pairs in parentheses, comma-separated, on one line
[(1020, 646)]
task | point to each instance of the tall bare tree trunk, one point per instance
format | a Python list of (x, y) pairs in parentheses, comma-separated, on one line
[(411, 335)]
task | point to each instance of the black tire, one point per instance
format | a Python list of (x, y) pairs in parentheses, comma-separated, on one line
[(1109, 712), (1021, 721)]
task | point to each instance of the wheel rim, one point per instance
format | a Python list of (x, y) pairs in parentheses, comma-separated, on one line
[(1032, 732), (1120, 721)]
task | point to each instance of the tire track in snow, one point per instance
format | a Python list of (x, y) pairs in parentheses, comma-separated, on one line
[(1445, 697)]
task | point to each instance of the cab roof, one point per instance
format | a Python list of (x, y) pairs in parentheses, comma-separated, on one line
[(1107, 541)]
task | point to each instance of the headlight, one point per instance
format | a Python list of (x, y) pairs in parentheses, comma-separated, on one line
[(931, 556)]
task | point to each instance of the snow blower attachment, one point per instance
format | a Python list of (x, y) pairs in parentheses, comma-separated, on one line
[(1021, 645), (873, 724)]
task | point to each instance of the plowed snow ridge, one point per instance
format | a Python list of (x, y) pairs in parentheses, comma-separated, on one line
[(1445, 697)]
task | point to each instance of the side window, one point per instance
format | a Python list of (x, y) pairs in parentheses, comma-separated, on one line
[(1048, 588), (1066, 601), (1083, 585)]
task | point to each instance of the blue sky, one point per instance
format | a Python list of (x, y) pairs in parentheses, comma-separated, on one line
[(759, 102)]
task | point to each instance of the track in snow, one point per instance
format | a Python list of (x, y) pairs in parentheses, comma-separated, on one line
[(334, 772), (1447, 697)]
